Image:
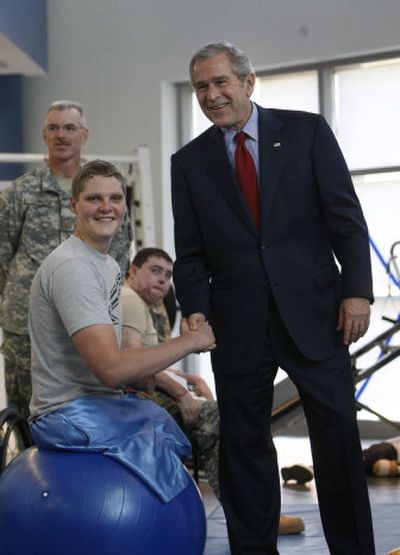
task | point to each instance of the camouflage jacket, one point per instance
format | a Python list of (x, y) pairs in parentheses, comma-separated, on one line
[(160, 319), (35, 217)]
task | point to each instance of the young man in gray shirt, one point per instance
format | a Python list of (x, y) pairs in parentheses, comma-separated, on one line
[(78, 366)]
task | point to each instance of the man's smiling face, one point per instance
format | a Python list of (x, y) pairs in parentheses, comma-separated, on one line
[(222, 96), (100, 210)]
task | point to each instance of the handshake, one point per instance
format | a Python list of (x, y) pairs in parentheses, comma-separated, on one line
[(197, 325)]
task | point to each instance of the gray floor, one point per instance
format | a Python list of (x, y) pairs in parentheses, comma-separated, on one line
[(292, 450)]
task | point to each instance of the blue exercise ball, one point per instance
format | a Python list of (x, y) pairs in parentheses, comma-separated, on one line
[(62, 503)]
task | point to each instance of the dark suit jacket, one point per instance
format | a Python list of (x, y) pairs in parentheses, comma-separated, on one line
[(309, 215)]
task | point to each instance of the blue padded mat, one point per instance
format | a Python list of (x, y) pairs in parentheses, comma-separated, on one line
[(386, 518)]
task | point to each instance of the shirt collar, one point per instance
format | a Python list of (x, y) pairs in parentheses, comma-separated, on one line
[(250, 127)]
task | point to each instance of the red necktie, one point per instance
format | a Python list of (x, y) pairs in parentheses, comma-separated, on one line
[(246, 175)]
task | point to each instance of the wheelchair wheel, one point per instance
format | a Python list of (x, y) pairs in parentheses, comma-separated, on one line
[(14, 436)]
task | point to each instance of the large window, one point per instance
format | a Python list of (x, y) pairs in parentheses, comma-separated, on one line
[(292, 91), (379, 195), (366, 122), (367, 115), (360, 100)]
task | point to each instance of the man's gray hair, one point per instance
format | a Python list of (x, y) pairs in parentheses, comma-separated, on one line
[(241, 64), (61, 105)]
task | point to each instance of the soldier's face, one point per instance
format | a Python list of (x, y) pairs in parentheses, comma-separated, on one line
[(99, 210), (64, 134), (152, 280)]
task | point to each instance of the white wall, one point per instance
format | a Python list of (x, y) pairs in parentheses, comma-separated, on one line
[(119, 57)]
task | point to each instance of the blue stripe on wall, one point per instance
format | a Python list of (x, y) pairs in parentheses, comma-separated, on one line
[(10, 122)]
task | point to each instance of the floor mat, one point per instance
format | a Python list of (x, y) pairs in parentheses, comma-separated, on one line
[(386, 521)]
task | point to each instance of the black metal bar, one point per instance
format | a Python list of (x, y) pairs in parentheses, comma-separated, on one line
[(375, 342), (395, 425), (361, 374)]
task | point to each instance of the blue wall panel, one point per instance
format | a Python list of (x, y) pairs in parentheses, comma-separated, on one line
[(24, 22), (10, 122)]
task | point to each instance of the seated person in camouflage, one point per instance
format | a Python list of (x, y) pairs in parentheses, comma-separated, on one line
[(35, 217), (186, 397), (78, 366)]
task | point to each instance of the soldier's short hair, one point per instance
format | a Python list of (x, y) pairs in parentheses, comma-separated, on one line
[(91, 169), (143, 255), (61, 105)]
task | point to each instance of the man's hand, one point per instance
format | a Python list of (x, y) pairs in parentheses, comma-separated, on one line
[(354, 315), (191, 322), (189, 408), (196, 322), (197, 385)]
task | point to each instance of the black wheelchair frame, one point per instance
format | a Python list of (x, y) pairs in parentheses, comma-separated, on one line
[(15, 436)]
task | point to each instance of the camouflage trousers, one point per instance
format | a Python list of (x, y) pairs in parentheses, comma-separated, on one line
[(204, 434), (17, 370)]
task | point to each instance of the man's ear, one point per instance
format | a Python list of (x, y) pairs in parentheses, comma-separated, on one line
[(72, 204), (85, 135), (133, 270), (249, 83)]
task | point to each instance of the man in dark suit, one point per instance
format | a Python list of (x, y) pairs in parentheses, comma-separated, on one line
[(256, 241)]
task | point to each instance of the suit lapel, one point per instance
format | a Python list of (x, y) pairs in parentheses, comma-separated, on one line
[(216, 162), (271, 151)]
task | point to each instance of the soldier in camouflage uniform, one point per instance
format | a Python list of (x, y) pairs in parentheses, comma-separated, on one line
[(196, 413), (35, 217)]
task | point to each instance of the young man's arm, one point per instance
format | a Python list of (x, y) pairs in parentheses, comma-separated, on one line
[(197, 385), (115, 366)]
